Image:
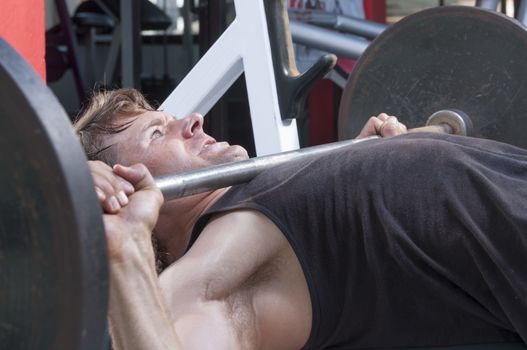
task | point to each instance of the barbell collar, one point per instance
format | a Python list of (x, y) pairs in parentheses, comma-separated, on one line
[(458, 121)]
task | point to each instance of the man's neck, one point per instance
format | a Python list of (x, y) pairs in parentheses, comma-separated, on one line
[(177, 219)]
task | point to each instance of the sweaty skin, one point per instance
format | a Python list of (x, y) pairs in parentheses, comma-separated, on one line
[(240, 286)]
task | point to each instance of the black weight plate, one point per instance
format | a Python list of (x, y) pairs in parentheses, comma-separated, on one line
[(53, 264), (462, 58)]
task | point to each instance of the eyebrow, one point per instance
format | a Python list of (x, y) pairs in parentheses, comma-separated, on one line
[(154, 122)]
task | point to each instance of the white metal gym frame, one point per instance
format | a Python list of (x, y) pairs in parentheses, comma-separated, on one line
[(243, 47)]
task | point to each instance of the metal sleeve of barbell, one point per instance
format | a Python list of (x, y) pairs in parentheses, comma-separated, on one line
[(225, 175)]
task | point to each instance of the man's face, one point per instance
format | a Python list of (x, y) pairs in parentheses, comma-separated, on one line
[(167, 145)]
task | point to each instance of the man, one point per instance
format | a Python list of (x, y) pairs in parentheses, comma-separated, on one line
[(413, 241)]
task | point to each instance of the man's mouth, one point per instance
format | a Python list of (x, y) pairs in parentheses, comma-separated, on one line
[(207, 143)]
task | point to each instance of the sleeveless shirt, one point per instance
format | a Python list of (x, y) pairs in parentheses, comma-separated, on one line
[(418, 240)]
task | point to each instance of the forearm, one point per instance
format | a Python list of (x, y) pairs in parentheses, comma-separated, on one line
[(138, 315)]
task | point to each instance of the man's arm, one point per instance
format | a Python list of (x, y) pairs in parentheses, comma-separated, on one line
[(138, 316), (138, 313)]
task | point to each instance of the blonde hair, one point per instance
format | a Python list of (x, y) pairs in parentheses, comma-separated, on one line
[(101, 117)]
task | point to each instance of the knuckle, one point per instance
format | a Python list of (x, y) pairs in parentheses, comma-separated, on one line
[(106, 187), (116, 181)]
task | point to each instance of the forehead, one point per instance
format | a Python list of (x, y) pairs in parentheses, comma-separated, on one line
[(137, 124), (146, 117)]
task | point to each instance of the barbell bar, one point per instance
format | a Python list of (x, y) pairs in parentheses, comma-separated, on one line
[(224, 175)]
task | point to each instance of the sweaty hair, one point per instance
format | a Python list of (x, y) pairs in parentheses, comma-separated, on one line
[(103, 116)]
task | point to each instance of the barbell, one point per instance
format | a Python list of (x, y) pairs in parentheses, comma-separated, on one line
[(219, 176), (53, 264)]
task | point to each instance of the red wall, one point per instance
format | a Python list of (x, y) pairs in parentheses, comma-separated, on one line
[(22, 26), (375, 10)]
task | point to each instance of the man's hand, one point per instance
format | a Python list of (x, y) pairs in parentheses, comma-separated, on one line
[(382, 125), (131, 202), (129, 230), (112, 190)]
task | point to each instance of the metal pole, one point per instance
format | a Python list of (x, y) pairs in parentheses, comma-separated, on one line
[(367, 29), (130, 44), (188, 40), (73, 47), (488, 4), (522, 12), (220, 176), (327, 40), (348, 24)]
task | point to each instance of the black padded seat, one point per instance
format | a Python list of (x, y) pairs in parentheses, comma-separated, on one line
[(152, 17)]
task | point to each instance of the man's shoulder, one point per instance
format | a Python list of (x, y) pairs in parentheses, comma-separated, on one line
[(230, 248), (250, 224)]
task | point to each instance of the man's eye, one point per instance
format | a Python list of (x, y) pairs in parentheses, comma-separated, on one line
[(156, 134)]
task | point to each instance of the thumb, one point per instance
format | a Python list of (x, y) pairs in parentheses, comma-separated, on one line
[(137, 174)]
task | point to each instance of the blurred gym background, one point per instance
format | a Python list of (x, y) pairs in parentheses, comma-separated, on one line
[(151, 45)]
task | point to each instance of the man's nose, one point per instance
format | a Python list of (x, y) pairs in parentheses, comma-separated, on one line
[(192, 124)]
